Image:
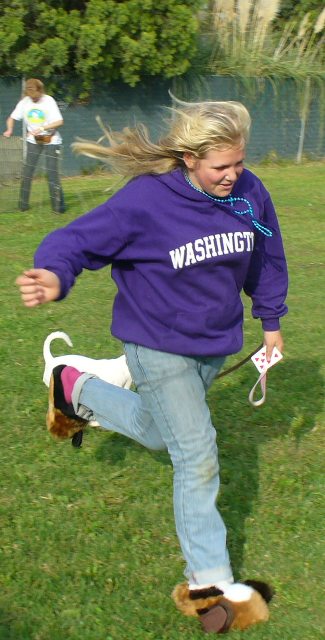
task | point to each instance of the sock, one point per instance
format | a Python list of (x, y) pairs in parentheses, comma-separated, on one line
[(69, 375)]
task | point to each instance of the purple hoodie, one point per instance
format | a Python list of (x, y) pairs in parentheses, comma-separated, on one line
[(180, 261)]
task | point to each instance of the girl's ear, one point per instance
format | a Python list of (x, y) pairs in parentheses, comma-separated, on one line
[(189, 160)]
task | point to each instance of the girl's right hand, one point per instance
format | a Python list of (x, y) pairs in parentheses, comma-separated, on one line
[(38, 286)]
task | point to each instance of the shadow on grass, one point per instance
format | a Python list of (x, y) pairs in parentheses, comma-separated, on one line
[(113, 449), (294, 398)]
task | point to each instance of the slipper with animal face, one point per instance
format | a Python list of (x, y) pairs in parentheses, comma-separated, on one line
[(61, 419), (238, 607)]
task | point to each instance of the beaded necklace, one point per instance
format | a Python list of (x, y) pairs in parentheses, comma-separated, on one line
[(232, 200)]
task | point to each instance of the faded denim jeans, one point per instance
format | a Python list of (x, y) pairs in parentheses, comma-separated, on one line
[(169, 411), (52, 157)]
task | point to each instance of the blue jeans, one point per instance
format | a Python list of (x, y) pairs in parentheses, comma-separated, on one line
[(169, 411), (52, 155)]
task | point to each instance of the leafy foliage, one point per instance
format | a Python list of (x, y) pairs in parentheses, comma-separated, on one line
[(291, 9), (100, 40), (258, 49), (249, 43)]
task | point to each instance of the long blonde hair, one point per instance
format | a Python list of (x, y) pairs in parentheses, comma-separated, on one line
[(193, 127)]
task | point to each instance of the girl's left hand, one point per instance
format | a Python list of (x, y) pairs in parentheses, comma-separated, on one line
[(273, 339)]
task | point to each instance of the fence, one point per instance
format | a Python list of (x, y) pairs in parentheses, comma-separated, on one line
[(275, 114)]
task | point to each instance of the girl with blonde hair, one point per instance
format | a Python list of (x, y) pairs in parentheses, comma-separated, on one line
[(189, 231)]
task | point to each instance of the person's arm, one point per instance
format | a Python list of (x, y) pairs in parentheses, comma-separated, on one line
[(267, 280), (89, 242), (10, 127), (54, 116), (38, 286), (47, 126), (273, 339), (54, 125), (51, 125)]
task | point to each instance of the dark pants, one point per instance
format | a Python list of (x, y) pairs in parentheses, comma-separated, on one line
[(52, 155)]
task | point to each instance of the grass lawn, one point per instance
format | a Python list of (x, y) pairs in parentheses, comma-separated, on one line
[(88, 547)]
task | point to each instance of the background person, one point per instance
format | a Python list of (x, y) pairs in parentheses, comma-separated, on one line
[(189, 232), (42, 118)]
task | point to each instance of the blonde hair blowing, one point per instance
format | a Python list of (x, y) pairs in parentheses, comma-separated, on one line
[(195, 128)]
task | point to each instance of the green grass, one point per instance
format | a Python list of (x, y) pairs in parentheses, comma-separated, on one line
[(88, 547)]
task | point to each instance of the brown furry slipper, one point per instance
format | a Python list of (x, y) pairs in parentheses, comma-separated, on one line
[(239, 607), (61, 420)]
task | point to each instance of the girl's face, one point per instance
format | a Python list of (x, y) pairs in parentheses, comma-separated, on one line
[(217, 172)]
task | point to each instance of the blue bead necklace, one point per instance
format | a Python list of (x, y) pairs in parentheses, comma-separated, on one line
[(232, 201)]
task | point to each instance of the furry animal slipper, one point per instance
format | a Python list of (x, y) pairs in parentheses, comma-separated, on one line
[(112, 370), (61, 420), (239, 607)]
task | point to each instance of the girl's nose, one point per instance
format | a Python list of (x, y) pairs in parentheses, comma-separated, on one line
[(231, 175)]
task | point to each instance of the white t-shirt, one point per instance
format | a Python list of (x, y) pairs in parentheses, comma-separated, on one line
[(38, 114)]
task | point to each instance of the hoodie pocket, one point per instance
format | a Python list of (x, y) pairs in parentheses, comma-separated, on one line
[(208, 322)]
